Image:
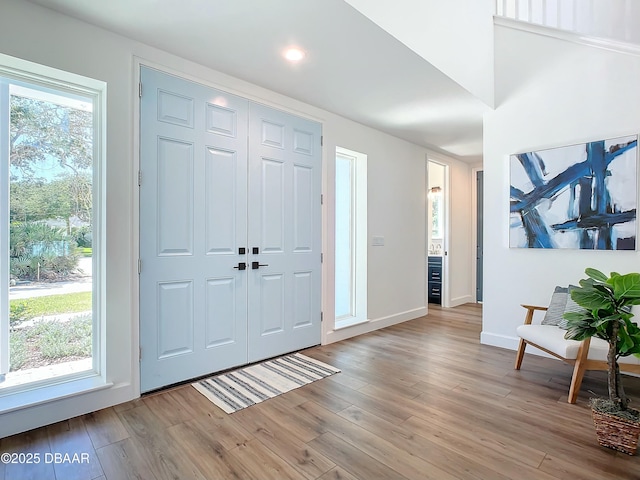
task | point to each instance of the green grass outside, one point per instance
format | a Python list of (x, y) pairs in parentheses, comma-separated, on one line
[(49, 342), (27, 308)]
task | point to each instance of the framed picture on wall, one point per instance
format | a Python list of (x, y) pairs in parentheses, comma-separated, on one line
[(580, 196)]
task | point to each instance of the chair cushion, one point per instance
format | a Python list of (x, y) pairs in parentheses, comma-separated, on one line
[(552, 338), (570, 307), (553, 315), (561, 303)]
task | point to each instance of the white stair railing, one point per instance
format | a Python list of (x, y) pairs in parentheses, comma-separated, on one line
[(612, 19)]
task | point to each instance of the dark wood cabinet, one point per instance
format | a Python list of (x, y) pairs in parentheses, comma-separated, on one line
[(434, 277)]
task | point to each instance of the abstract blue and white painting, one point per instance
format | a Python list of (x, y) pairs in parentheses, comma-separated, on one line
[(579, 196)]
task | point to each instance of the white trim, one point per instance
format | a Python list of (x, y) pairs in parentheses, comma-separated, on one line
[(4, 232), (99, 240), (583, 39), (23, 397), (474, 231), (454, 302), (498, 340), (53, 392), (445, 301), (225, 87), (349, 322), (360, 236), (371, 325), (138, 63), (69, 406), (509, 343), (31, 72), (135, 228), (425, 299)]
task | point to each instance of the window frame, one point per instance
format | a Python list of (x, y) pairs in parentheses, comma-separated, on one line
[(359, 235), (22, 72)]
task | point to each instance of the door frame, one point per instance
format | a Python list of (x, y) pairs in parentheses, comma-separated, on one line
[(446, 197), (199, 77), (474, 227)]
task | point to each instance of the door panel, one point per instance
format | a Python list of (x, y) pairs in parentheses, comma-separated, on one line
[(193, 219), (302, 209), (203, 196), (220, 120), (284, 222), (272, 133), (272, 302), (175, 108), (175, 197), (303, 142), (221, 305), (221, 194), (302, 299), (175, 318), (272, 206)]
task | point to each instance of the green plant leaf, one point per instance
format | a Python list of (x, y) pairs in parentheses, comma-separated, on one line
[(626, 286), (579, 330), (606, 289), (575, 316), (587, 296), (600, 322), (626, 343), (596, 275), (634, 350), (632, 327)]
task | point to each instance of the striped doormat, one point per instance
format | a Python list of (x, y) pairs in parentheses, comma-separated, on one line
[(241, 388)]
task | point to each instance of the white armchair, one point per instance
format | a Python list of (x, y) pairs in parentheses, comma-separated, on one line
[(590, 354)]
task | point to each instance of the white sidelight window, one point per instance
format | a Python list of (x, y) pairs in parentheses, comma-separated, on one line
[(350, 238), (51, 235)]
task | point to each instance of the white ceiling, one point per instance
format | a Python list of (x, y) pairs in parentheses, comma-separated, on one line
[(353, 67)]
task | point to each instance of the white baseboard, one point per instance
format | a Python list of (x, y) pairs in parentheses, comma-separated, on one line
[(508, 342), (461, 300), (497, 340), (371, 325), (24, 419)]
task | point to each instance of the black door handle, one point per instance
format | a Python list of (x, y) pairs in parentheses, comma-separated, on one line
[(241, 266), (257, 265)]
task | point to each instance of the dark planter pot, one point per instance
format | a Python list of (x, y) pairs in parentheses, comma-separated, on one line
[(615, 432)]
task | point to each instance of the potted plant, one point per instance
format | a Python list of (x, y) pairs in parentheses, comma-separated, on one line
[(606, 314)]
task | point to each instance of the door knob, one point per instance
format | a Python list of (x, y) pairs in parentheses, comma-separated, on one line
[(257, 265), (241, 266)]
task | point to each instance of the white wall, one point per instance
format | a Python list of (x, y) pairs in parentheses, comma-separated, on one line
[(550, 93), (396, 200), (396, 211), (455, 36)]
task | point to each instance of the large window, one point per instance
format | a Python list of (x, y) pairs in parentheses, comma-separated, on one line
[(350, 238), (50, 235)]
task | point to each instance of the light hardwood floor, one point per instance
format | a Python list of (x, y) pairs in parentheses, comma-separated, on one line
[(420, 400)]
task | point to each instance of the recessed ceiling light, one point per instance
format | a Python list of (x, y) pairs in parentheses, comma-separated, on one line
[(294, 54)]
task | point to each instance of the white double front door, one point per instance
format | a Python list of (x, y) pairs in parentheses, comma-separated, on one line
[(230, 240)]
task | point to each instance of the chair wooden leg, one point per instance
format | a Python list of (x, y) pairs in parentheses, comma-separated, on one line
[(578, 371), (520, 354)]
